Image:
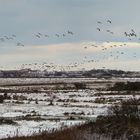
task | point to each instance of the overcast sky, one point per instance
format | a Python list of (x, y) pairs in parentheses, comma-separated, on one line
[(27, 18)]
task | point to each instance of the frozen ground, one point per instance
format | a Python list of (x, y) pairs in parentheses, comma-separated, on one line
[(13, 81), (31, 112)]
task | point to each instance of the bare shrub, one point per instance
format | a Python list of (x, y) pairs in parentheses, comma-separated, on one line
[(1, 98), (128, 109), (101, 100), (51, 103), (7, 121), (80, 85), (130, 86)]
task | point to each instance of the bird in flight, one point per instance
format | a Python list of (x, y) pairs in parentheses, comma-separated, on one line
[(13, 35), (70, 32), (99, 22), (98, 29), (38, 36), (2, 39), (46, 35), (57, 35), (109, 21), (20, 44), (64, 35)]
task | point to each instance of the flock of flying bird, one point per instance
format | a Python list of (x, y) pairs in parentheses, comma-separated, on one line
[(10, 38), (129, 34), (38, 35), (107, 50)]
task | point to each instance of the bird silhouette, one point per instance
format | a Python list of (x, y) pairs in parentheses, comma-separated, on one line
[(57, 35), (70, 32), (99, 29), (109, 21), (99, 22), (20, 44)]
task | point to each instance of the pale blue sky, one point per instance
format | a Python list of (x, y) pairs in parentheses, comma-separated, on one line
[(25, 18)]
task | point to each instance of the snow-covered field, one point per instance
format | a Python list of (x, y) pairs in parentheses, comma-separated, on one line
[(12, 81), (25, 113)]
